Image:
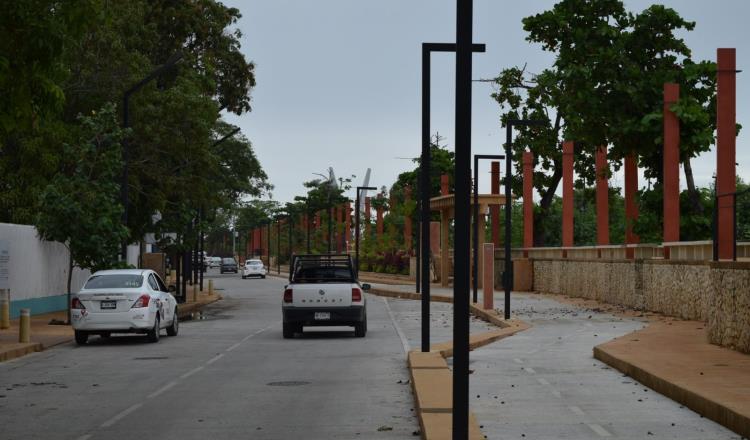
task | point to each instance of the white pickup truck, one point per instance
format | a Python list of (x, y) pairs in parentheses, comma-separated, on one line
[(323, 291)]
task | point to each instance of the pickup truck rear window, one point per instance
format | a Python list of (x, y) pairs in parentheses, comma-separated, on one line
[(322, 274)]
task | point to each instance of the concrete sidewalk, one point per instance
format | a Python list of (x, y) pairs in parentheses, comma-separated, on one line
[(45, 335), (676, 359)]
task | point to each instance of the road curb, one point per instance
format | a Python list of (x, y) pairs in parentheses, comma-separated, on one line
[(21, 350), (432, 380), (709, 408)]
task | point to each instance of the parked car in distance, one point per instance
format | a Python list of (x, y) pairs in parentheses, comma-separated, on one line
[(323, 291), (215, 261), (253, 268), (123, 301), (228, 265)]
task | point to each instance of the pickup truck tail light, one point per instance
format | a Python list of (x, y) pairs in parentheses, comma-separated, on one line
[(142, 301), (77, 304), (288, 296), (356, 294)]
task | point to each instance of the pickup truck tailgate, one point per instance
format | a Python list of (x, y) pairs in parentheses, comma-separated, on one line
[(321, 295)]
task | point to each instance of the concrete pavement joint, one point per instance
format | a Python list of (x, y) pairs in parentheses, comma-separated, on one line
[(214, 359), (191, 372), (599, 430)]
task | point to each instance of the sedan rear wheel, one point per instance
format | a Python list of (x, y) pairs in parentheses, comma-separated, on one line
[(174, 328), (153, 334), (81, 337)]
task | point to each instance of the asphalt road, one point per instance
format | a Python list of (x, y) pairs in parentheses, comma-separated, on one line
[(227, 375)]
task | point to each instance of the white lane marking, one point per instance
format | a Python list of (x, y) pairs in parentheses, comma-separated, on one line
[(191, 372), (215, 358), (161, 390), (518, 361), (578, 411), (529, 370), (404, 341), (599, 430), (122, 415), (234, 346), (542, 381), (556, 394)]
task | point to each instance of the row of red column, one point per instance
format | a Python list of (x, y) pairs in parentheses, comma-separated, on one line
[(725, 173)]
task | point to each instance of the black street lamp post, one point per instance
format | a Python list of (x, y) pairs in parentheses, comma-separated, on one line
[(125, 150), (475, 268), (424, 183), (356, 223)]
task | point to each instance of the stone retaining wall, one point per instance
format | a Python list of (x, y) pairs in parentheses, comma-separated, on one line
[(729, 320), (718, 293)]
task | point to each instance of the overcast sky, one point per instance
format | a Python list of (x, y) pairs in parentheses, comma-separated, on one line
[(338, 81)]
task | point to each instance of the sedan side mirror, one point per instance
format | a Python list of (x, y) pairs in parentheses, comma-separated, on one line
[(366, 286), (172, 288)]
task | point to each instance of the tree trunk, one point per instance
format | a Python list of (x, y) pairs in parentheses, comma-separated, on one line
[(70, 278), (695, 204)]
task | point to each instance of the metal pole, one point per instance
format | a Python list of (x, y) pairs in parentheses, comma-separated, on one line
[(291, 239), (475, 239), (278, 247), (125, 173), (330, 222), (202, 249), (307, 217), (178, 273), (462, 173), (418, 245), (508, 273), (424, 193), (356, 234)]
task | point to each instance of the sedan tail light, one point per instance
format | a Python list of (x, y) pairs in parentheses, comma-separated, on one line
[(76, 304), (142, 301), (356, 294), (288, 296)]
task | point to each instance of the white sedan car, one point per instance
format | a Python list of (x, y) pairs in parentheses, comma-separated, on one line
[(253, 268), (123, 301)]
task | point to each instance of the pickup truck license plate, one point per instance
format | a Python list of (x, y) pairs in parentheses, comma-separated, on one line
[(322, 316), (108, 305)]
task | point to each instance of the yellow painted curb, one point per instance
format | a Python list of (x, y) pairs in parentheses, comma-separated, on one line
[(22, 349)]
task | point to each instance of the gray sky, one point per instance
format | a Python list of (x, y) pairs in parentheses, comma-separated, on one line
[(339, 80)]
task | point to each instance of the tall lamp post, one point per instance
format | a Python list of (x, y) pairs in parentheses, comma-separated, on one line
[(475, 268), (424, 182), (356, 223), (508, 273), (174, 59)]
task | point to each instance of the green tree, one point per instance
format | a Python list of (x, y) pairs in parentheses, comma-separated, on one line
[(80, 207)]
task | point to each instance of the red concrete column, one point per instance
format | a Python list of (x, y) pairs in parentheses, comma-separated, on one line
[(435, 238), (726, 138), (379, 218), (488, 275), (567, 220), (495, 209), (528, 199), (444, 184), (407, 221), (671, 156), (368, 213), (631, 206), (602, 197)]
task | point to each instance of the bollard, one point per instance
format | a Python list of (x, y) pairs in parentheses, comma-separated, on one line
[(4, 312), (210, 287), (24, 330), (488, 282)]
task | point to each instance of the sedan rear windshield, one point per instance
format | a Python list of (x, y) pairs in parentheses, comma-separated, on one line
[(228, 261), (115, 281)]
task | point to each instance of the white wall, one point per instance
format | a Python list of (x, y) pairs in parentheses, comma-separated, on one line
[(37, 268)]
